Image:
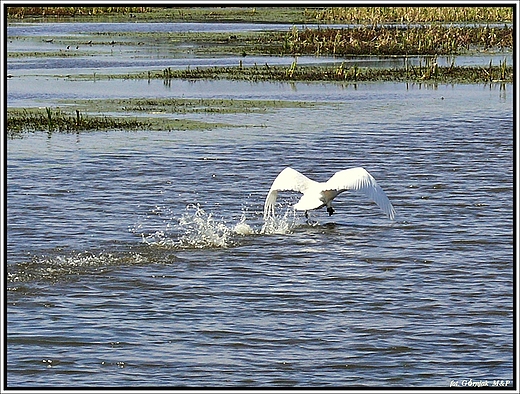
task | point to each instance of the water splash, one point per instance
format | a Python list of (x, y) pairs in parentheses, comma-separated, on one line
[(280, 224), (201, 230), (243, 228), (198, 229)]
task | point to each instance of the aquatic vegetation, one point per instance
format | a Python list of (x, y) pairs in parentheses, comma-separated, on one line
[(503, 72), (381, 40), (387, 41), (181, 106), (171, 14), (433, 39), (87, 117), (429, 70), (157, 114), (54, 120), (54, 54)]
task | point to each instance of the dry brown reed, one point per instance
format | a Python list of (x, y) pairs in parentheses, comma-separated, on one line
[(21, 12), (427, 40), (381, 15)]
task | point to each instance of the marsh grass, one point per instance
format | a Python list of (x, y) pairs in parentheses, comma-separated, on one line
[(170, 14), (357, 15), (155, 114), (380, 15), (426, 70), (421, 40), (435, 39), (384, 40), (54, 120), (53, 11)]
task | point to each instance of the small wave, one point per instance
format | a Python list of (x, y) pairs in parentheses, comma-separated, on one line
[(58, 268), (196, 229)]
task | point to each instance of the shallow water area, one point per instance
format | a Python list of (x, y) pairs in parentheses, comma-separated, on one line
[(142, 258), (69, 49)]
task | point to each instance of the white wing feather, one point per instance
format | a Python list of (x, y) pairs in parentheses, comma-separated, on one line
[(359, 179), (288, 179), (316, 194)]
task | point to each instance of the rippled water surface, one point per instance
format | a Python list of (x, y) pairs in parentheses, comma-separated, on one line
[(142, 258)]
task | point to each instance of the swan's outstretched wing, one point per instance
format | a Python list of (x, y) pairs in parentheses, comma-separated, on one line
[(359, 179), (288, 179)]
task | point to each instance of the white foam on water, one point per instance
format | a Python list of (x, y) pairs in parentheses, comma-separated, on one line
[(243, 228), (201, 230), (198, 229)]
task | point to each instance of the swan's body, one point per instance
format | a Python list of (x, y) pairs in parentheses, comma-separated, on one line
[(319, 194)]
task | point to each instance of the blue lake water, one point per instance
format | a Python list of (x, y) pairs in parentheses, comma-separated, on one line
[(124, 267), (140, 259)]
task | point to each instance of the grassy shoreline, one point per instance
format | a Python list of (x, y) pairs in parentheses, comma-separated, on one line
[(263, 14)]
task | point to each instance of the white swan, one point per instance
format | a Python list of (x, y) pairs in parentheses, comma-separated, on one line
[(319, 194)]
